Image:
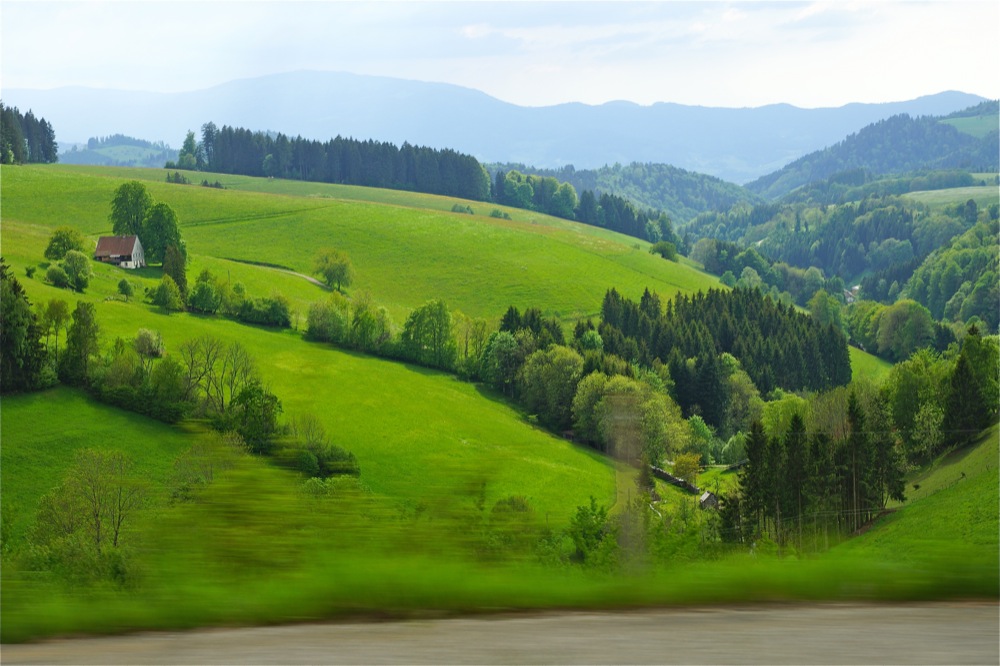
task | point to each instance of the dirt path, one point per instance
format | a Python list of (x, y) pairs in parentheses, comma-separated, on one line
[(940, 633)]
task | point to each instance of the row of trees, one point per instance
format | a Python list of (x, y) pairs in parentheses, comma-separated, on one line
[(339, 160), (546, 194), (680, 194), (26, 138)]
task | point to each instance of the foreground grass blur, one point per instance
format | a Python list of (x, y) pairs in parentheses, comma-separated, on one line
[(259, 546)]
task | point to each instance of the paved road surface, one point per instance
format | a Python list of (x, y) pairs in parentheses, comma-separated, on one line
[(942, 633)]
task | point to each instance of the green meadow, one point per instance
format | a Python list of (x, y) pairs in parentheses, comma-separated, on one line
[(977, 126), (984, 196)]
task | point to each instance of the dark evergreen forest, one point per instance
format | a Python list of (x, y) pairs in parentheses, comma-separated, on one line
[(775, 345), (26, 138), (349, 161)]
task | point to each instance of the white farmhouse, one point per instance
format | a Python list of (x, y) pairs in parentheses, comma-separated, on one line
[(124, 251)]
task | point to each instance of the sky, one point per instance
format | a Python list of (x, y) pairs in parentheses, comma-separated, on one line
[(731, 54)]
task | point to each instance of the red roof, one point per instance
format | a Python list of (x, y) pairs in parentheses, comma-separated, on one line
[(115, 246)]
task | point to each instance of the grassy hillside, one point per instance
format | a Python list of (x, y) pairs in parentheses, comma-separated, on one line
[(38, 448), (951, 515), (417, 433), (404, 253), (984, 196)]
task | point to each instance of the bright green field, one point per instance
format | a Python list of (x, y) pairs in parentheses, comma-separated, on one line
[(977, 126), (417, 433), (952, 513), (41, 432), (865, 366), (983, 196), (404, 248)]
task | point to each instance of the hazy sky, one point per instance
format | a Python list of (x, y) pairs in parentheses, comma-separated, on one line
[(531, 53)]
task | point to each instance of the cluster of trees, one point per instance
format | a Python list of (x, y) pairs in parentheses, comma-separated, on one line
[(339, 160), (961, 281), (896, 331), (832, 461), (895, 245), (135, 213), (899, 144), (680, 194), (22, 356), (845, 240), (26, 138), (774, 345), (67, 245), (747, 268)]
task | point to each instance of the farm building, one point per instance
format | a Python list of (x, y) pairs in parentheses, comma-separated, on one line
[(124, 251)]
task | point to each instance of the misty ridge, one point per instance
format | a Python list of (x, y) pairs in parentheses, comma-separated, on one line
[(736, 145)]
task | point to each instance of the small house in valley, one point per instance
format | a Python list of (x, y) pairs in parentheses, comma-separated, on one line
[(124, 251)]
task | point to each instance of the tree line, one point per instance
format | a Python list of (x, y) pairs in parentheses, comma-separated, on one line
[(546, 194), (680, 194), (348, 161), (26, 138)]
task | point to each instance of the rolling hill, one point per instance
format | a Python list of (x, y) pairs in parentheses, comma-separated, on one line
[(436, 454), (405, 253)]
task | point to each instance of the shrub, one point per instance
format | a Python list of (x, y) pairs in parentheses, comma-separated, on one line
[(125, 288), (57, 276), (77, 267), (273, 311), (665, 249), (167, 295)]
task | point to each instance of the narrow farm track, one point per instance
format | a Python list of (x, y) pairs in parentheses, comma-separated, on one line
[(927, 633)]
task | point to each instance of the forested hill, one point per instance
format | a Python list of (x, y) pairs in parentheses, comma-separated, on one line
[(681, 194), (120, 150), (895, 145)]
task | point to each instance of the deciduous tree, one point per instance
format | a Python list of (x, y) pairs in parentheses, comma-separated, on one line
[(334, 267), (63, 240), (129, 206)]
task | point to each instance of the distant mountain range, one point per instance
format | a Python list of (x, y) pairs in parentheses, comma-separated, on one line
[(737, 145)]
